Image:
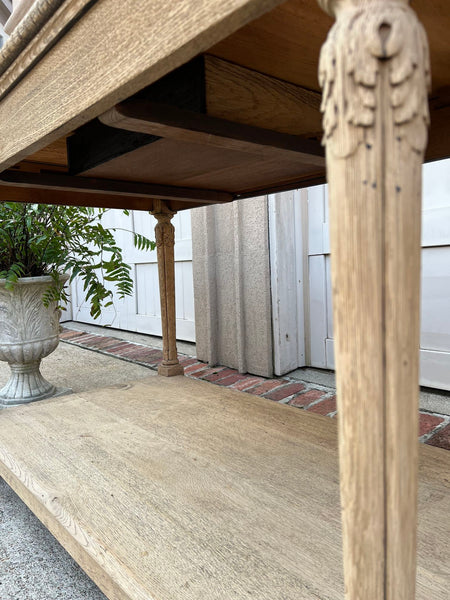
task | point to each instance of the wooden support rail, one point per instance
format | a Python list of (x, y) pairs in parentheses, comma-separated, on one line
[(169, 122), (374, 72), (59, 188)]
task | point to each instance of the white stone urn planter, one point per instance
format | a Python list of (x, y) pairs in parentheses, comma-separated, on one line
[(29, 331)]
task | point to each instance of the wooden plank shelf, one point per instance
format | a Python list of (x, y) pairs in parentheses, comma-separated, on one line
[(178, 489)]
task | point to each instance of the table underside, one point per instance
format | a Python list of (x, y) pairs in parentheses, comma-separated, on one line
[(246, 123)]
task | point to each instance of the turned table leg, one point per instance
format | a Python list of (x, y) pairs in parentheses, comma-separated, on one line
[(165, 242), (374, 73)]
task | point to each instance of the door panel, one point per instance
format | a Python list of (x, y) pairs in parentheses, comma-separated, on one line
[(317, 315), (435, 327), (435, 290), (286, 239), (141, 312)]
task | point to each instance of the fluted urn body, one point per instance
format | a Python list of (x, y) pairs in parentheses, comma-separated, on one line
[(29, 331)]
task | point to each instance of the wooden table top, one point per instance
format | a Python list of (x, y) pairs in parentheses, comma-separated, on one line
[(194, 103)]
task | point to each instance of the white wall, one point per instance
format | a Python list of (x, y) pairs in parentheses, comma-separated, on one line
[(435, 295), (141, 312)]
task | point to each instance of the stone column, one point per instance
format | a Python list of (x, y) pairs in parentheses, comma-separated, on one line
[(165, 242), (374, 72), (230, 246)]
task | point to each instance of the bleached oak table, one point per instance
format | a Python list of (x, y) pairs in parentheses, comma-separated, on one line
[(164, 106)]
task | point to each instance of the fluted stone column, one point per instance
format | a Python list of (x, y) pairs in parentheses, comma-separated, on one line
[(165, 242), (374, 72)]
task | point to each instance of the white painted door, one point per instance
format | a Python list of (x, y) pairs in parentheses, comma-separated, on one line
[(320, 319), (435, 307), (141, 312), (286, 237)]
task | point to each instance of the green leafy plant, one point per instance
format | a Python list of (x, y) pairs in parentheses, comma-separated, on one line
[(39, 239)]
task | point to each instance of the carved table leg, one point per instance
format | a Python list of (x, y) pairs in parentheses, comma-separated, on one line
[(374, 73), (165, 241)]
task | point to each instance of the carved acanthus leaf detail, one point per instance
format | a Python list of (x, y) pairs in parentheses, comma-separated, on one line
[(164, 230), (360, 42)]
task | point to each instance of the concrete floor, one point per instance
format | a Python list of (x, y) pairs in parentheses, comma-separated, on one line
[(33, 565), (82, 370)]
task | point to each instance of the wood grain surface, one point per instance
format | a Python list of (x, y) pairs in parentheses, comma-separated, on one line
[(241, 95), (375, 121), (66, 88), (210, 102), (53, 154), (165, 245), (61, 182), (175, 489), (285, 43), (20, 9), (185, 126), (61, 92), (42, 194), (33, 33), (200, 151)]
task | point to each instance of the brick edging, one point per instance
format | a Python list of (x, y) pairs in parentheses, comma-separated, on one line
[(434, 428)]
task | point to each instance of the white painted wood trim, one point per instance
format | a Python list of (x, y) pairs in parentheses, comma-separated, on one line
[(238, 286), (305, 264), (434, 369), (433, 366), (287, 251), (316, 219), (317, 311)]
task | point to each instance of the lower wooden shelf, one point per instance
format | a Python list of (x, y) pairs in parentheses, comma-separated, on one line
[(178, 489)]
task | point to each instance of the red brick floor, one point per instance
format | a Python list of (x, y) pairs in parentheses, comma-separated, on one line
[(267, 385), (441, 439), (433, 429), (324, 407), (281, 393), (428, 423)]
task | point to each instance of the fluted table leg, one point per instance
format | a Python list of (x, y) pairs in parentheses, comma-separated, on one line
[(374, 73), (165, 242)]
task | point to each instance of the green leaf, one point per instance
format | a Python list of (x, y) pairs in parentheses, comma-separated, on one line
[(37, 239)]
